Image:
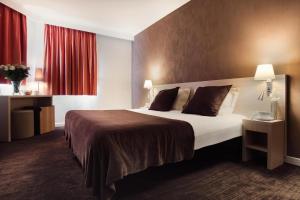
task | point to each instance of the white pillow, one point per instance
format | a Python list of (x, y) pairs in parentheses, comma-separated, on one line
[(182, 98), (229, 102)]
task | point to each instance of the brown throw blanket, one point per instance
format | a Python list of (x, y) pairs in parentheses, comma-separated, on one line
[(111, 144)]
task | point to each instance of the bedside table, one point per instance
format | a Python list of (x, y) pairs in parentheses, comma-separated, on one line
[(264, 136)]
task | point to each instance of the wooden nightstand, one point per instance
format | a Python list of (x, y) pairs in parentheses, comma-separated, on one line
[(265, 136)]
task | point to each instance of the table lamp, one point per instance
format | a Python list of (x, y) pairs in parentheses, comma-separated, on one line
[(39, 76), (148, 86)]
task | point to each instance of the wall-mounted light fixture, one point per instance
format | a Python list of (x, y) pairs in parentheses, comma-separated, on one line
[(265, 72)]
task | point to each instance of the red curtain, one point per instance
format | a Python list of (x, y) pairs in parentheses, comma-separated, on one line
[(70, 61), (13, 37)]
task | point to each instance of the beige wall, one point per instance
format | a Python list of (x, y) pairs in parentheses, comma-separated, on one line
[(217, 39)]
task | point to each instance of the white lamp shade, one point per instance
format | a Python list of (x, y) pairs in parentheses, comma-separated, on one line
[(39, 76), (148, 84), (264, 72)]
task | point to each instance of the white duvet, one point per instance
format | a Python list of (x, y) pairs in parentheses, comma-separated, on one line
[(207, 130)]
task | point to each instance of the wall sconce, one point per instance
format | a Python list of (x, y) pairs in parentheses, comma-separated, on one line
[(265, 72), (148, 86)]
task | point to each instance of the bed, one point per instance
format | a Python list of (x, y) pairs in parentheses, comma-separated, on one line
[(207, 130), (111, 144)]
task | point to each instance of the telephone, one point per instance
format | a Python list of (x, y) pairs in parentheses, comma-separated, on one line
[(263, 116)]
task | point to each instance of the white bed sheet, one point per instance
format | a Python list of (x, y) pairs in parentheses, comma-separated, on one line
[(208, 130)]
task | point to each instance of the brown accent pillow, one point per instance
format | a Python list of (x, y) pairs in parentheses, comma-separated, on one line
[(207, 100), (164, 100)]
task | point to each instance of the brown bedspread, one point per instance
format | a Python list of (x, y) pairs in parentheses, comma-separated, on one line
[(111, 144)]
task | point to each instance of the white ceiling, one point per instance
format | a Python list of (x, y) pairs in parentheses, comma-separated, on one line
[(116, 18)]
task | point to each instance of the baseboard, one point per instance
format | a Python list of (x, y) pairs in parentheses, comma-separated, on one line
[(292, 160), (59, 124)]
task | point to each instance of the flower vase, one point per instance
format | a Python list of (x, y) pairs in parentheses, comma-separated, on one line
[(16, 87)]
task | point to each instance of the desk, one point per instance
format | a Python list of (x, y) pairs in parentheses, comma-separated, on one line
[(11, 103)]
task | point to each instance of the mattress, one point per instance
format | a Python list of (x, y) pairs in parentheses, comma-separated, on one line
[(208, 130)]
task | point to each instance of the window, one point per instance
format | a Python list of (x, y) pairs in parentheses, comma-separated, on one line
[(70, 61)]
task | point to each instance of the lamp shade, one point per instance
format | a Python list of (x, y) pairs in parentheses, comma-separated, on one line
[(39, 76), (148, 84), (264, 72)]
